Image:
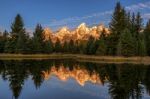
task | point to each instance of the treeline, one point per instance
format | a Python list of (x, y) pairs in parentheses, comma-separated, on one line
[(129, 37)]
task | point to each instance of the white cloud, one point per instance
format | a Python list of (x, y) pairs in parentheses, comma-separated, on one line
[(104, 15), (146, 16), (139, 6), (78, 19)]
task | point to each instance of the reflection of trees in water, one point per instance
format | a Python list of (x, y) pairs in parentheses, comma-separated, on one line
[(125, 81), (147, 80)]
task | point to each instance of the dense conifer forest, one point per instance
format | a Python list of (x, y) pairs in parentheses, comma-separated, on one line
[(129, 37)]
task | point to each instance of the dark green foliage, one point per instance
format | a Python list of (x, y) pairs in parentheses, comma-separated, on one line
[(141, 45), (126, 45), (21, 46), (71, 46), (58, 46), (90, 46), (18, 34), (18, 37), (138, 23), (117, 24), (82, 45), (147, 37), (48, 48), (10, 45), (66, 47), (30, 46), (3, 40), (102, 47), (38, 39)]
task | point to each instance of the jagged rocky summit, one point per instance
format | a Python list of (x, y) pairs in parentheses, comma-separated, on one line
[(82, 32)]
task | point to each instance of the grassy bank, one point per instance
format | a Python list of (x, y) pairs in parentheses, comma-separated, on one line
[(78, 57)]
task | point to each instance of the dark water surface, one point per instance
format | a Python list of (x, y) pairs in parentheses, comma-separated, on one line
[(68, 79)]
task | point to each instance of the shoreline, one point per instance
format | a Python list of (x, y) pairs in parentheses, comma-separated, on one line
[(78, 57)]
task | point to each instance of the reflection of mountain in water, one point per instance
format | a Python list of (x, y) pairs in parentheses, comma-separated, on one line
[(126, 81), (79, 74)]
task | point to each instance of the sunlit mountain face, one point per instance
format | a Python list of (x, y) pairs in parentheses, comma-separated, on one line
[(28, 79), (82, 32)]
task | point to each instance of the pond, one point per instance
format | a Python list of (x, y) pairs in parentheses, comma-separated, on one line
[(69, 79)]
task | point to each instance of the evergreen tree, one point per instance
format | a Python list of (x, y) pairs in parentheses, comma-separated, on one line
[(30, 46), (117, 24), (138, 24), (21, 46), (1, 43), (90, 45), (48, 48), (71, 46), (139, 38), (126, 46), (147, 37), (101, 48), (10, 45), (133, 27), (142, 45), (82, 45), (17, 29), (38, 39), (66, 47), (17, 40), (58, 47), (3, 40), (77, 47)]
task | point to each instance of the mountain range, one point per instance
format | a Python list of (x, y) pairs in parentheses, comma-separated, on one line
[(82, 32)]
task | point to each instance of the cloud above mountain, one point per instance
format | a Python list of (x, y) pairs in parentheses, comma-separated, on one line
[(139, 6), (103, 17)]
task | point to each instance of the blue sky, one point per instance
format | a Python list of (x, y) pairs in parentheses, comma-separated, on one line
[(58, 13)]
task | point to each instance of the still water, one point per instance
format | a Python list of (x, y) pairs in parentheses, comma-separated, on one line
[(68, 79)]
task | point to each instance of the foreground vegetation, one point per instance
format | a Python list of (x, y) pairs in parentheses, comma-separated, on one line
[(78, 57), (129, 37)]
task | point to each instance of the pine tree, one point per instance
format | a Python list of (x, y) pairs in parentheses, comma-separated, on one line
[(101, 49), (21, 46), (82, 45), (117, 25), (71, 46), (58, 47), (3, 40), (126, 46), (10, 45), (138, 28), (38, 39), (142, 47), (17, 26), (66, 47), (18, 38), (48, 48), (138, 24), (1, 43), (147, 37), (30, 46), (133, 23), (89, 46)]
